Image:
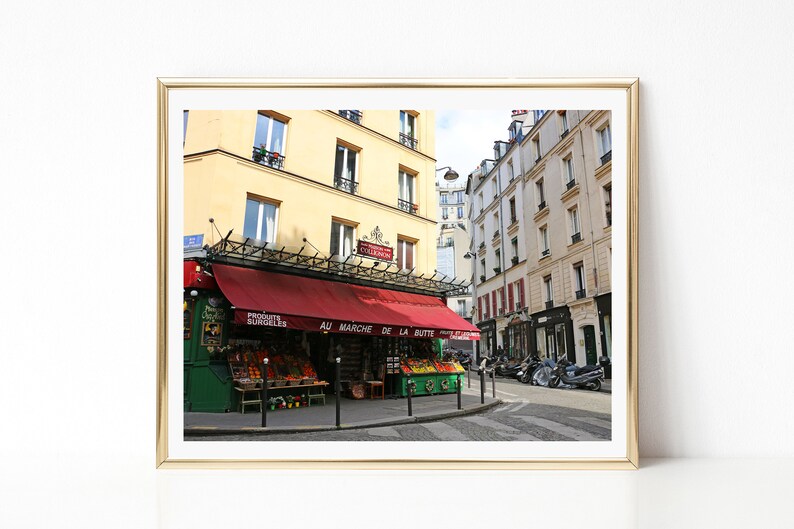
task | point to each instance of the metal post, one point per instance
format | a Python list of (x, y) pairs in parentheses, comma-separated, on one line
[(263, 393), (482, 386), (408, 392), (338, 388), (460, 406), (493, 383), (469, 376)]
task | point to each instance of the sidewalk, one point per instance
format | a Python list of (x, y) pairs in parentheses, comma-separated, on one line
[(354, 414)]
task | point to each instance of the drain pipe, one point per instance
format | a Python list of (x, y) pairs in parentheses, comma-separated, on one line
[(589, 208)]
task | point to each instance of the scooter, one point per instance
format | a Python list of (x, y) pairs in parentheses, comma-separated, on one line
[(508, 369), (566, 372), (527, 369)]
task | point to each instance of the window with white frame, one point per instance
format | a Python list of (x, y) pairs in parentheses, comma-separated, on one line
[(406, 197), (548, 291), (460, 212), (579, 280), (498, 261), (342, 238), (514, 248), (496, 224), (408, 129), (405, 254), (444, 198), (482, 269), (563, 123), (608, 203), (481, 201), (270, 140), (536, 148), (462, 308), (543, 241), (568, 172), (261, 219), (510, 173), (573, 222), (604, 142), (494, 187), (346, 169), (540, 194), (512, 203), (482, 233)]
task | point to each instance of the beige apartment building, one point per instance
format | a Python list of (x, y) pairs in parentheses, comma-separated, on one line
[(568, 221)]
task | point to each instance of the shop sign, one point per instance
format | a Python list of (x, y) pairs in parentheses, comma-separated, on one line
[(375, 251), (319, 325)]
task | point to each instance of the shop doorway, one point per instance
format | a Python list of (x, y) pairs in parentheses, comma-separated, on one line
[(590, 345)]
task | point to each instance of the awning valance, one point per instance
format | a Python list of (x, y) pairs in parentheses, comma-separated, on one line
[(281, 300)]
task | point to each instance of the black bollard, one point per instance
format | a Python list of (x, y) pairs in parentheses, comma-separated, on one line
[(469, 369), (460, 405), (482, 386), (409, 391), (263, 394), (338, 389), (493, 383)]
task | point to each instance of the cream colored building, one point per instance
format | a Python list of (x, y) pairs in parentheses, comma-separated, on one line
[(324, 176), (567, 217)]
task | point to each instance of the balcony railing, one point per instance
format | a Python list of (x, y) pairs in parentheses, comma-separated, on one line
[(537, 160), (513, 220), (346, 185), (606, 157), (407, 206), (501, 312), (545, 252), (564, 133), (541, 205), (569, 184), (265, 157), (409, 141), (481, 246), (609, 218), (518, 306), (550, 304), (496, 234), (352, 115), (576, 237), (581, 294)]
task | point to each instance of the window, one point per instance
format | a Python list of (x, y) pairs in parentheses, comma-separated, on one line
[(502, 300), (444, 198), (479, 308), (536, 148), (458, 197), (496, 225), (449, 241), (487, 305), (481, 201), (608, 204), (548, 292), (540, 194), (405, 199), (495, 188), (570, 176), (270, 141), (482, 268), (261, 217), (408, 129), (510, 173), (482, 234), (512, 210), (444, 213), (342, 237), (462, 308), (498, 262), (579, 281), (605, 144), (460, 212), (184, 126), (539, 114), (405, 254), (518, 286), (352, 115), (573, 218), (563, 123), (346, 169), (514, 248), (543, 240)]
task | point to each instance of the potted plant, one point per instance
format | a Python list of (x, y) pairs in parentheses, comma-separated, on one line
[(297, 400), (272, 402), (290, 401)]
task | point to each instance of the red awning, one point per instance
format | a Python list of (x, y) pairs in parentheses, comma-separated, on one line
[(194, 276), (281, 300)]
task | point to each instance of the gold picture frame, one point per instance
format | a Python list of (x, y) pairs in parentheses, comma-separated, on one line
[(624, 91)]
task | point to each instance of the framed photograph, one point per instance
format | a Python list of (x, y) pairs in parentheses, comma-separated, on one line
[(388, 273)]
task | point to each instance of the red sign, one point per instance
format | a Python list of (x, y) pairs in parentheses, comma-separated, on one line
[(245, 317), (375, 250)]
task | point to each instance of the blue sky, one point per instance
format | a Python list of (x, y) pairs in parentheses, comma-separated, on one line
[(465, 137)]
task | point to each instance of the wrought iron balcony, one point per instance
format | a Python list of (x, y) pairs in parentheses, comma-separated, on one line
[(545, 253), (346, 185), (576, 237), (550, 304), (407, 206), (264, 157), (352, 115), (609, 218), (409, 141), (518, 306), (607, 157), (564, 133), (514, 260), (482, 245), (513, 220), (541, 205), (537, 160), (501, 312), (581, 294), (496, 234), (569, 184)]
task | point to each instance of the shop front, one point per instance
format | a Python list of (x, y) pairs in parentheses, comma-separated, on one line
[(301, 325), (551, 334), (517, 337), (487, 344)]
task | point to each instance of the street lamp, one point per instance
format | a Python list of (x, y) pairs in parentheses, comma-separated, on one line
[(451, 175)]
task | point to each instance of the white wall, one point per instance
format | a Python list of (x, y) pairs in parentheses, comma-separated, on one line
[(78, 140)]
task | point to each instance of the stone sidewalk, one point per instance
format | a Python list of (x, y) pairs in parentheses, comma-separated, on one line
[(354, 414)]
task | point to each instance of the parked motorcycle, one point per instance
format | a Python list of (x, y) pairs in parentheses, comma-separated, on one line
[(566, 372), (463, 358), (528, 368), (510, 368)]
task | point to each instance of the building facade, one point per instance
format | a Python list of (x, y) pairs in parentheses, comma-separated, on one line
[(568, 219)]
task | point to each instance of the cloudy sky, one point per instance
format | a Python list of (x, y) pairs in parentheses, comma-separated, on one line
[(464, 138)]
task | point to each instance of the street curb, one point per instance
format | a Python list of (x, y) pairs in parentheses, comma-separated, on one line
[(211, 431)]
